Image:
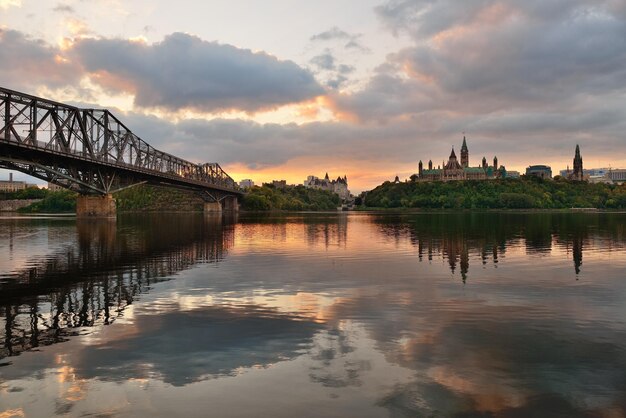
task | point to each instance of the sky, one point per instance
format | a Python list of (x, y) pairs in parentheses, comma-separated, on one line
[(283, 89)]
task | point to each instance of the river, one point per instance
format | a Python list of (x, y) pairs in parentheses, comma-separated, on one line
[(314, 315)]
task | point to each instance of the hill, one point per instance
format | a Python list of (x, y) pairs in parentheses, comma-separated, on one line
[(523, 193), (295, 198)]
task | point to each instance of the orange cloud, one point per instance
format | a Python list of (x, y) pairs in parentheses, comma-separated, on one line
[(112, 82)]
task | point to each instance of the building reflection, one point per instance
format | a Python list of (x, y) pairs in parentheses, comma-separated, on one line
[(94, 278), (459, 239)]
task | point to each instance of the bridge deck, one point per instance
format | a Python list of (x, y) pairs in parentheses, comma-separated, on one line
[(91, 150)]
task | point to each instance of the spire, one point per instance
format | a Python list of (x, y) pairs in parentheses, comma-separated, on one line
[(464, 154), (578, 166), (326, 178), (452, 154)]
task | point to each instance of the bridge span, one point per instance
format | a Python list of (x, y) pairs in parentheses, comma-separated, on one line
[(91, 152)]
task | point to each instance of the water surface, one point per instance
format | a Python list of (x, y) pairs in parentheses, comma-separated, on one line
[(314, 315)]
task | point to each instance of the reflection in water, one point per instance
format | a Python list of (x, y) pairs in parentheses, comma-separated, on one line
[(454, 237), (93, 279), (316, 315)]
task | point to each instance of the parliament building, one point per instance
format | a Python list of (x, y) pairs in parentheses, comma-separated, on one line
[(454, 171)]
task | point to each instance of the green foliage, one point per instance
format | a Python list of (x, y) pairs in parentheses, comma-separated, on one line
[(155, 199), (291, 198), (53, 202), (28, 193), (524, 193)]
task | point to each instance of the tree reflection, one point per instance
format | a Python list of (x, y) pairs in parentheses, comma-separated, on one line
[(460, 238)]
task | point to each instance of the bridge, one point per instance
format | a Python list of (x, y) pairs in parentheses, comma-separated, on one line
[(91, 152)]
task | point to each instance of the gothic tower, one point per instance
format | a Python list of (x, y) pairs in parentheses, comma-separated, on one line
[(495, 163), (464, 154), (484, 163), (430, 164), (421, 168), (578, 165)]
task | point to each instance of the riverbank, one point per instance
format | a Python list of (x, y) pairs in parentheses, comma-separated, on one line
[(14, 205)]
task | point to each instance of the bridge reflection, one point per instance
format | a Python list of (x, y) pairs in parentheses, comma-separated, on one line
[(91, 280)]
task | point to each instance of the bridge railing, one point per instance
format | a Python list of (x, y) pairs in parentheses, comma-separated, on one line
[(96, 135)]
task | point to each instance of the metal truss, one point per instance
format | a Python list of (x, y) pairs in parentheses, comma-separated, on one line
[(91, 151)]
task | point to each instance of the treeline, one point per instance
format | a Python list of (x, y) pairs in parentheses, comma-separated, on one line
[(24, 194), (523, 193), (52, 202), (268, 197), (147, 198)]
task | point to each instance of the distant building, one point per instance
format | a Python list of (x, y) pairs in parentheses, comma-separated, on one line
[(577, 174), (339, 186), (617, 175), (541, 171), (13, 186), (587, 172), (454, 171), (512, 174), (54, 187), (246, 184), (279, 184)]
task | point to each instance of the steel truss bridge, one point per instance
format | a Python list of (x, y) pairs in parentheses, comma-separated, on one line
[(92, 152)]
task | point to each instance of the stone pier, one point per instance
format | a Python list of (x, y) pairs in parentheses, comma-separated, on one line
[(212, 207), (95, 207), (230, 204)]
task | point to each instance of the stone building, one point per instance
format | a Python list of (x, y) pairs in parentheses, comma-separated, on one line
[(454, 170), (577, 174), (541, 171), (13, 186), (246, 184), (339, 186)]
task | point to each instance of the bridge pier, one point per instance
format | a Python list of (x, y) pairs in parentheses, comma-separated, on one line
[(212, 207), (230, 204), (96, 207)]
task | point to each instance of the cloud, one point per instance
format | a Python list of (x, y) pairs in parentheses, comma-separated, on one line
[(335, 74), (63, 8), (331, 34), (184, 71), (483, 56), (336, 34), (324, 61), (27, 62), (5, 4), (524, 76)]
